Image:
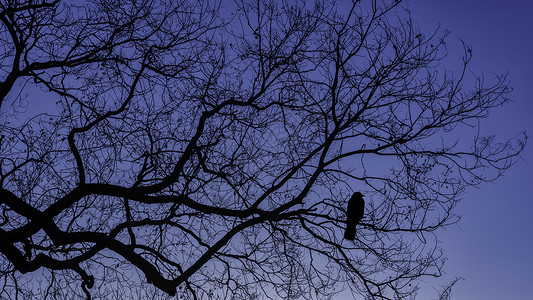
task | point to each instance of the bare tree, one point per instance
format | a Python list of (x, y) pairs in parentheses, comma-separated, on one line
[(446, 292), (152, 148)]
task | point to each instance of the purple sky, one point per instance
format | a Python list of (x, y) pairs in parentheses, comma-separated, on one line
[(492, 246)]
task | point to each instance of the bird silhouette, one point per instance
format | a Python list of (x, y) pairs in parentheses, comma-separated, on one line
[(354, 214)]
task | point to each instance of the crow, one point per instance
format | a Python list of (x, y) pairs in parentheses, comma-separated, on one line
[(354, 214)]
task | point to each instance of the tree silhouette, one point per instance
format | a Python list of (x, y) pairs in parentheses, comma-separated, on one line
[(185, 147)]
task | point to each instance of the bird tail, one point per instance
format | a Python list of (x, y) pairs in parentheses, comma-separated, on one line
[(349, 234)]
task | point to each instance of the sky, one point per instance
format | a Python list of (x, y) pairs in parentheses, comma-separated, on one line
[(492, 246)]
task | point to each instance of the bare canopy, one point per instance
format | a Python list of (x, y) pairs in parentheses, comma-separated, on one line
[(206, 150)]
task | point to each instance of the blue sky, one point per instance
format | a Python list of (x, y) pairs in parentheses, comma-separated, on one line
[(492, 246)]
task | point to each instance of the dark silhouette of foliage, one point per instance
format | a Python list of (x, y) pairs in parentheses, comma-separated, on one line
[(206, 150)]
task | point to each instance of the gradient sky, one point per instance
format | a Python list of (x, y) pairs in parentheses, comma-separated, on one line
[(492, 246)]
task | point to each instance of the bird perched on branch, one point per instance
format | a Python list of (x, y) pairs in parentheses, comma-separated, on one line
[(354, 214)]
